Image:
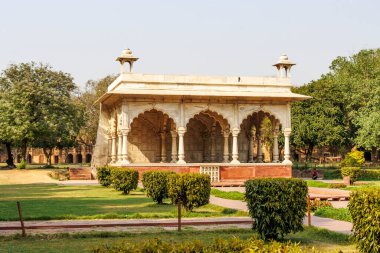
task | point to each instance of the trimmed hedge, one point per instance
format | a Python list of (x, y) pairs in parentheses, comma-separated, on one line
[(364, 207), (233, 245), (369, 174), (192, 189), (104, 175), (276, 205), (124, 180), (155, 183), (352, 172)]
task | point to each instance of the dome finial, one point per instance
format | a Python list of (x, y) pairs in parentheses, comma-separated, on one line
[(126, 56), (283, 66)]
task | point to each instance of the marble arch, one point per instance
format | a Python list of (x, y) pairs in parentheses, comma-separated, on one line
[(209, 109)]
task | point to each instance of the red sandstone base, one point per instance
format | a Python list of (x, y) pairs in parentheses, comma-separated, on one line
[(228, 172)]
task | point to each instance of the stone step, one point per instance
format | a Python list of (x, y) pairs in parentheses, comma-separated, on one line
[(80, 173)]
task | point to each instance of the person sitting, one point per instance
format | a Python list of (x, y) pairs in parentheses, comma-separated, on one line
[(314, 174)]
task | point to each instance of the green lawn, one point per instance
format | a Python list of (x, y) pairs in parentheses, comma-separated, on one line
[(234, 195), (325, 240), (50, 201), (334, 213)]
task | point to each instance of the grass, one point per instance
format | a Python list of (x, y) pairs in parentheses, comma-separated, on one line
[(334, 213), (234, 195), (50, 201), (84, 242), (319, 184)]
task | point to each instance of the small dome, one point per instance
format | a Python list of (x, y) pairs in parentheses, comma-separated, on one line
[(127, 53), (284, 57), (284, 60), (127, 56)]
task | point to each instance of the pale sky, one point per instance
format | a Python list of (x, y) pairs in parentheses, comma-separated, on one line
[(240, 38)]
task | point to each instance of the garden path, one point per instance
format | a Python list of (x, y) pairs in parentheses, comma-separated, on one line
[(330, 224)]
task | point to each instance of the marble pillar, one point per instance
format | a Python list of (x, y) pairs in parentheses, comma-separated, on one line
[(275, 145), (113, 149), (226, 155), (124, 152), (119, 147), (163, 146), (235, 149), (174, 146), (259, 148), (287, 132), (181, 145)]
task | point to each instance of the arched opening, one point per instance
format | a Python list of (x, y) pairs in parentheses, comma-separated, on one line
[(150, 138), (204, 138), (88, 158), (70, 158), (56, 159), (29, 158), (79, 158), (258, 138)]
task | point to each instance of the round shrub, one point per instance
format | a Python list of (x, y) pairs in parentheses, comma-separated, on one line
[(352, 172), (276, 205), (124, 180), (22, 165), (104, 175), (155, 184), (364, 208), (192, 189), (354, 158)]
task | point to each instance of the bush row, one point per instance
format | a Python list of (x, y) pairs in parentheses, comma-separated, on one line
[(364, 208), (218, 245), (277, 206), (156, 184), (365, 174), (121, 179), (192, 189)]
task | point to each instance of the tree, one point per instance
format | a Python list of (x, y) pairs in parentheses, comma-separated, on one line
[(39, 108), (94, 90), (317, 122)]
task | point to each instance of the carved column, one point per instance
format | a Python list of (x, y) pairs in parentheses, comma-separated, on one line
[(206, 154), (119, 146), (287, 132), (235, 150), (113, 149), (181, 145), (275, 145), (124, 151), (226, 134), (213, 144), (163, 146), (251, 145), (174, 146), (259, 149)]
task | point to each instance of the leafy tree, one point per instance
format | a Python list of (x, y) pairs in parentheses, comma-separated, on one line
[(38, 107), (94, 90), (358, 79), (317, 122)]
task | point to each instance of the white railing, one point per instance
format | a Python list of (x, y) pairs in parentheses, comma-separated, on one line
[(212, 171)]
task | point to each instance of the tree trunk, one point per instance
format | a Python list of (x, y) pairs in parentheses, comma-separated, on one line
[(24, 146), (374, 155), (309, 153), (9, 161), (47, 152)]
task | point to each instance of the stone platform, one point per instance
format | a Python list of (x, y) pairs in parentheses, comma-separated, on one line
[(227, 172)]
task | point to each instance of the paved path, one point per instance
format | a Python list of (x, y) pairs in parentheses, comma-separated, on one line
[(330, 224)]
